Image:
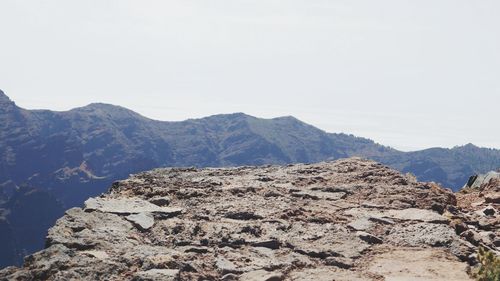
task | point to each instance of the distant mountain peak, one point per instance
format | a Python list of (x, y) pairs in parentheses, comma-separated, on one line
[(225, 116), (288, 119), (96, 107), (6, 104), (229, 115), (108, 109), (237, 114), (4, 97), (99, 105), (469, 146)]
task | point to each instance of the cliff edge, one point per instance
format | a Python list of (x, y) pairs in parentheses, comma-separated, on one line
[(351, 219)]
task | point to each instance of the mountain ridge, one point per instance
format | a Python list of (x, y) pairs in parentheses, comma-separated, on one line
[(100, 105), (288, 133), (76, 154)]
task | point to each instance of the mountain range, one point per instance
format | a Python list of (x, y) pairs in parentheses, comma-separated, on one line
[(51, 161)]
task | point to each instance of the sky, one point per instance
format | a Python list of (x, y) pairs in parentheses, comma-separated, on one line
[(409, 74)]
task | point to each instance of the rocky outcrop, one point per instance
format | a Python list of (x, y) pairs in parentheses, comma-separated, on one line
[(480, 200), (483, 181), (351, 219), (76, 154)]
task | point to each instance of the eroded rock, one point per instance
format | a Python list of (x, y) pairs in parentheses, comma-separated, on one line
[(351, 219)]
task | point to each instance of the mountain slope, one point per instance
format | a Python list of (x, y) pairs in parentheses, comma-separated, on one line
[(76, 154), (449, 167)]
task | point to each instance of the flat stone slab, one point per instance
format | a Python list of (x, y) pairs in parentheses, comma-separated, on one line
[(102, 255), (157, 275), (225, 266), (361, 224), (324, 274), (319, 195), (261, 275), (127, 206), (386, 216), (422, 233), (143, 221), (413, 214), (418, 264)]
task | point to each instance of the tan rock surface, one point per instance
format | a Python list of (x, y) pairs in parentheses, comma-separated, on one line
[(415, 264), (351, 219)]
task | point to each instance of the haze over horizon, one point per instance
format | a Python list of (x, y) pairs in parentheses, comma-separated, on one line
[(411, 75)]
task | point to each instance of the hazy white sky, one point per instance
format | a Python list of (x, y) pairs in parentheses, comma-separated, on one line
[(410, 74)]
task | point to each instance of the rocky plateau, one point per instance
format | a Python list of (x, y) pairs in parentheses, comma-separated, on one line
[(352, 219)]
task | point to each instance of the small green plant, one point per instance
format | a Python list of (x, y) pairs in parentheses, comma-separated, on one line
[(489, 268)]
